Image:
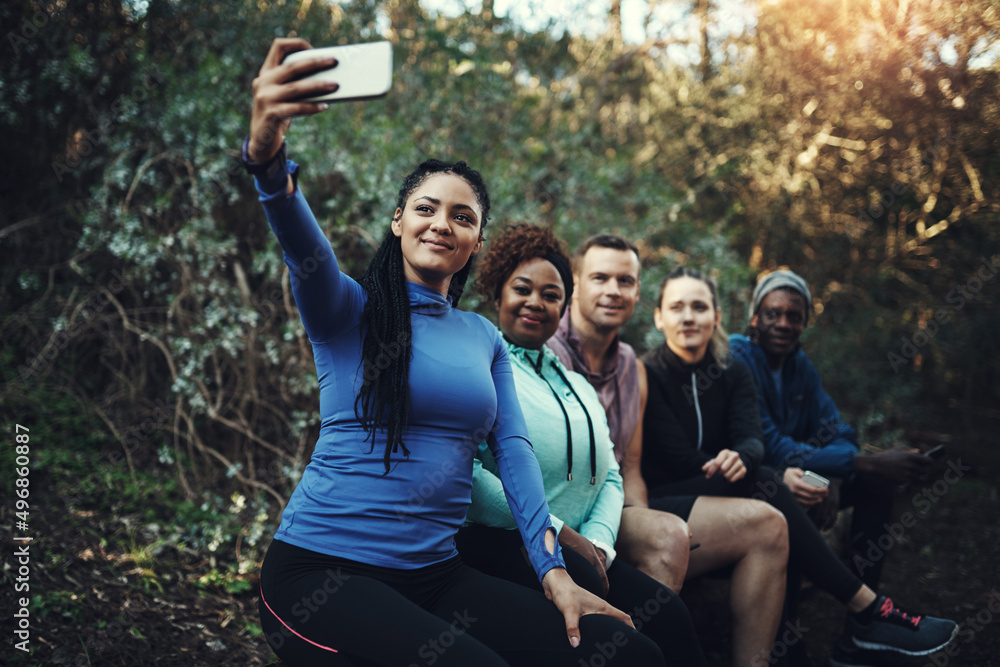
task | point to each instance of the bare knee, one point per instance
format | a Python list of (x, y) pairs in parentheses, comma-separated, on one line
[(770, 529), (760, 526), (658, 543), (669, 535), (653, 532), (673, 529), (671, 546)]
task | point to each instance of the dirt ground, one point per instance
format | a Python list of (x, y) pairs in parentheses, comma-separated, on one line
[(97, 607), (945, 563)]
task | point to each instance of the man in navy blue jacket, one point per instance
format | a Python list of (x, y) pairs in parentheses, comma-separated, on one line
[(803, 429)]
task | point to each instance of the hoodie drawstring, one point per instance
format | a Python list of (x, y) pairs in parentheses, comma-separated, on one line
[(590, 424), (569, 431)]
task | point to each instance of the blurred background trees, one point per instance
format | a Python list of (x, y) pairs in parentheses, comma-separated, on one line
[(147, 322)]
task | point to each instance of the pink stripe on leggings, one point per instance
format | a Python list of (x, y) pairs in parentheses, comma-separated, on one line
[(325, 648)]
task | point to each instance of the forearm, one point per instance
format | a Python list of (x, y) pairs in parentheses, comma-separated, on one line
[(293, 222), (751, 452), (605, 517), (835, 460), (864, 465), (327, 299), (271, 172), (522, 484), (743, 416)]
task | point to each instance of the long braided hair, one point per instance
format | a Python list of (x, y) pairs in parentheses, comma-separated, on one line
[(384, 397)]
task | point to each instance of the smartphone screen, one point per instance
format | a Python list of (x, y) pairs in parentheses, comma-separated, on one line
[(363, 71)]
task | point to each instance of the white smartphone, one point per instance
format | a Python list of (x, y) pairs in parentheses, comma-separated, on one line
[(811, 478), (363, 71)]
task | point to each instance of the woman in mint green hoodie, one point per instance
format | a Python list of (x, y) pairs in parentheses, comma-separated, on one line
[(527, 273)]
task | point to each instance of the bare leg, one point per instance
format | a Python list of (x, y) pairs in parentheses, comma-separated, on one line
[(864, 597), (751, 536), (656, 543)]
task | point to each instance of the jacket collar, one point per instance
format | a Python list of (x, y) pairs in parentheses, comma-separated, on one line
[(534, 358), (427, 301), (664, 356), (757, 354)]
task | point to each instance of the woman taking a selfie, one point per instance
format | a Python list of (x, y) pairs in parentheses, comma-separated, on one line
[(702, 437), (526, 274), (358, 574)]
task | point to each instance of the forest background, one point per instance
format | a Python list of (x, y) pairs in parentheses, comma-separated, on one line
[(157, 377)]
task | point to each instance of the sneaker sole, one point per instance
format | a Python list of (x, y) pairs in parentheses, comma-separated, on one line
[(895, 649), (834, 662)]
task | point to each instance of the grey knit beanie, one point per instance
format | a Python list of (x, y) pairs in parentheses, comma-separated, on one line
[(777, 280)]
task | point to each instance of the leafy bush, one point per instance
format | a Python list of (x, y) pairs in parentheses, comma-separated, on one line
[(147, 313)]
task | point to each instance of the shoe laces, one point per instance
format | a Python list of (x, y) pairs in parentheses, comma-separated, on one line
[(891, 612)]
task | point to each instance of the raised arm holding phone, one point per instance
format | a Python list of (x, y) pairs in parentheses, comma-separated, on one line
[(356, 574)]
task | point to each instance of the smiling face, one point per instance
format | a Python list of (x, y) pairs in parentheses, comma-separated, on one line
[(779, 322), (607, 288), (687, 317), (531, 303), (439, 230)]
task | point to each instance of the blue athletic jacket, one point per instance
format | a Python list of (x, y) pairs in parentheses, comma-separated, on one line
[(802, 427)]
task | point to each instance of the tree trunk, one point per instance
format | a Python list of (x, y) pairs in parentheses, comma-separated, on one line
[(705, 66)]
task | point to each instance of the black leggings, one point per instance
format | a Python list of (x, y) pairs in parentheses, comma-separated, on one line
[(321, 610), (808, 554), (871, 498), (656, 611)]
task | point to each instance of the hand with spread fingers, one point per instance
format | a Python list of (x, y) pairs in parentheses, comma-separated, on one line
[(575, 602)]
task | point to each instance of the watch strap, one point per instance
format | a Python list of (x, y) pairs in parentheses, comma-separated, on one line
[(269, 170)]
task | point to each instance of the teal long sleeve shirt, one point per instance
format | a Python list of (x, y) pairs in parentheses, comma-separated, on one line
[(592, 509)]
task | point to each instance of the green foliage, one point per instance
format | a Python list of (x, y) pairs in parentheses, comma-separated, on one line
[(230, 581), (852, 142), (254, 630), (61, 603)]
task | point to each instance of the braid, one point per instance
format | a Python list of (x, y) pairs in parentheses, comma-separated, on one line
[(457, 286), (387, 333), (385, 348)]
